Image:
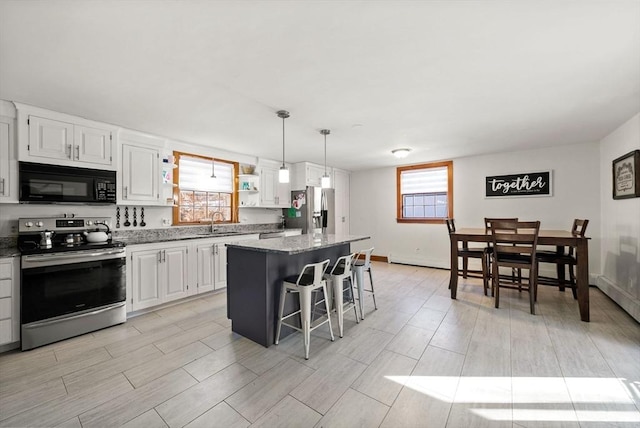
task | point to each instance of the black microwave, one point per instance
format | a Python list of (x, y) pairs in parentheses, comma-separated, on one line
[(54, 184)]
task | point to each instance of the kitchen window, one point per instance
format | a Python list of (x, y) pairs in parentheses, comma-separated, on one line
[(424, 192), (205, 190)]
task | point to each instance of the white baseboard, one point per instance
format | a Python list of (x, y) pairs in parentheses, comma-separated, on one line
[(418, 261), (626, 301)]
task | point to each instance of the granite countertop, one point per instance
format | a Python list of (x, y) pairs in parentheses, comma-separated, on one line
[(154, 238), (9, 252), (296, 244)]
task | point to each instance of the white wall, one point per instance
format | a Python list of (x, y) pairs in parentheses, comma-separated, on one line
[(620, 226), (575, 170)]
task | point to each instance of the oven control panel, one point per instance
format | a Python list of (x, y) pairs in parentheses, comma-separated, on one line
[(30, 225)]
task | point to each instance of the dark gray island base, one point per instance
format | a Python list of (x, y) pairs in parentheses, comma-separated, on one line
[(255, 270)]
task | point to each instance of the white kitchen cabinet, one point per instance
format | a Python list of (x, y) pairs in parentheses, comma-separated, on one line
[(220, 257), (175, 266), (273, 194), (140, 175), (50, 137), (92, 145), (9, 300), (56, 140), (211, 267), (341, 184), (205, 268), (158, 275), (308, 174), (8, 163), (212, 264), (146, 285)]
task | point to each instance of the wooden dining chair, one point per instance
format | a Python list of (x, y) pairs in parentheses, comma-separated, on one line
[(467, 253), (487, 223), (563, 259), (514, 246)]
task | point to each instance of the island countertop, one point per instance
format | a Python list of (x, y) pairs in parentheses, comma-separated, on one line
[(296, 244)]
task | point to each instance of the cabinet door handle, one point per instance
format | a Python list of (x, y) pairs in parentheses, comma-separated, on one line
[(125, 192), (164, 256), (159, 256), (2, 191), (215, 249), (77, 152), (69, 151)]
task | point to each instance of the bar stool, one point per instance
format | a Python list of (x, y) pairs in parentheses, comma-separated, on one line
[(340, 272), (359, 268), (310, 280)]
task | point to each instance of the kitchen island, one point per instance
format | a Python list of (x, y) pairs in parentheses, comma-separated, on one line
[(255, 270)]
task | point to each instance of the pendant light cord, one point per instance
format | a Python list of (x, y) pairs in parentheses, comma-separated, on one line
[(325, 132), (283, 141)]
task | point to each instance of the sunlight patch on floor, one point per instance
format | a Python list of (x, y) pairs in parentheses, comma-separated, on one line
[(534, 398)]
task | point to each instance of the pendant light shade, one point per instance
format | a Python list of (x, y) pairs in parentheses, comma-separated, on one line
[(283, 174), (325, 182)]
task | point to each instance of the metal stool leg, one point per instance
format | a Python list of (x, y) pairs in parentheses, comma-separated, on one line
[(353, 299), (359, 274), (373, 294), (283, 296), (338, 297), (305, 318), (326, 305)]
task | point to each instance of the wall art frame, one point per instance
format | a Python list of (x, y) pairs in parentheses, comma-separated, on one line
[(626, 175)]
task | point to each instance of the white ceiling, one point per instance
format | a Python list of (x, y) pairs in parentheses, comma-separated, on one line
[(444, 78)]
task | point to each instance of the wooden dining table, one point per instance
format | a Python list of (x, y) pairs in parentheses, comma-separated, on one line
[(558, 238)]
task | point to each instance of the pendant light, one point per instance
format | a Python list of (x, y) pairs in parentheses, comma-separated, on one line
[(326, 180), (283, 174)]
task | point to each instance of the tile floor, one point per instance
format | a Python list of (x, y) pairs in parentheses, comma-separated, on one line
[(420, 360)]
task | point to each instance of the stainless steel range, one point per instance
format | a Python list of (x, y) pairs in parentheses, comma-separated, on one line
[(69, 286)]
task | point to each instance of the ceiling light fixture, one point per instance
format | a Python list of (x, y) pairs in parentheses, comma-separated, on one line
[(326, 180), (283, 174), (401, 153)]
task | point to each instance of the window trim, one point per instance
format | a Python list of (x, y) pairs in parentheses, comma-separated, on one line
[(176, 190), (433, 220)]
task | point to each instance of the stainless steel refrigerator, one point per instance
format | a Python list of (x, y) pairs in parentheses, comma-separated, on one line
[(312, 210)]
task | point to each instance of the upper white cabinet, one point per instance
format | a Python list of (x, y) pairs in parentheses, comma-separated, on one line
[(140, 175), (93, 145), (308, 174), (341, 184), (273, 194), (49, 137), (8, 161), (141, 171)]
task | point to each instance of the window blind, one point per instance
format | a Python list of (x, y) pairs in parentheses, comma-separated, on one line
[(195, 174), (429, 180)]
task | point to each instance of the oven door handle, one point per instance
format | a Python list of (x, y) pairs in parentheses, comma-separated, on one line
[(43, 258), (67, 318)]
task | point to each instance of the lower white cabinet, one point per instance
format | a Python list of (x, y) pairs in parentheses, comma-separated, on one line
[(211, 266), (9, 300), (158, 275), (211, 262), (162, 272)]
